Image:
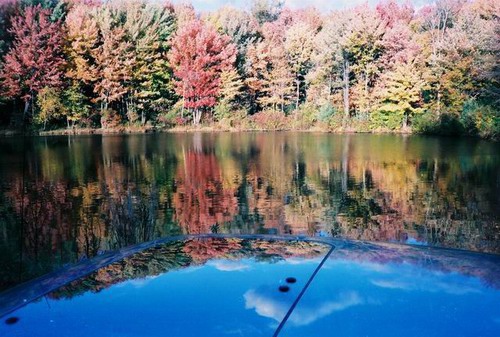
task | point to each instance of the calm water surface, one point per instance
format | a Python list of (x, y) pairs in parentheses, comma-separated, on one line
[(84, 195)]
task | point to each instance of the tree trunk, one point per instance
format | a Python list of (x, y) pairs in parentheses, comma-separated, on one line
[(439, 101), (33, 107), (298, 95), (346, 91), (127, 109), (367, 99), (26, 108), (329, 86), (196, 116)]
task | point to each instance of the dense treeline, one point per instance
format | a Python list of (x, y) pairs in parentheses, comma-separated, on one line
[(91, 63)]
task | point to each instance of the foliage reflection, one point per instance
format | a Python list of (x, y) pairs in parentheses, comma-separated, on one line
[(85, 195)]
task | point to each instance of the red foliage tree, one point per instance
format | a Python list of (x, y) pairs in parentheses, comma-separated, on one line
[(35, 60), (198, 56), (391, 12)]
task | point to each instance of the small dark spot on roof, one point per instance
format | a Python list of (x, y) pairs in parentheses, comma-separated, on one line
[(291, 280), (12, 320), (284, 289)]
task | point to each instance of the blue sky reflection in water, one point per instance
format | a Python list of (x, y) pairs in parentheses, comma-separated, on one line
[(361, 290)]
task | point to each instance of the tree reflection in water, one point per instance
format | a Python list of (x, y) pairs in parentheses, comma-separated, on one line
[(91, 194)]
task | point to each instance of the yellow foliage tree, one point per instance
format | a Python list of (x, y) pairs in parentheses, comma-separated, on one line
[(400, 98)]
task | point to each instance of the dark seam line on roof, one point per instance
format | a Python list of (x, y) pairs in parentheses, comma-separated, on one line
[(294, 304)]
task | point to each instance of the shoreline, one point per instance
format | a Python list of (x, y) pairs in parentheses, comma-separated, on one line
[(5, 133), (183, 129)]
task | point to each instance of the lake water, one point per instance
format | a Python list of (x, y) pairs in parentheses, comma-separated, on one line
[(63, 199)]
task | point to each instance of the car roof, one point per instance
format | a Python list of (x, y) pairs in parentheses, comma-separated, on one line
[(215, 285)]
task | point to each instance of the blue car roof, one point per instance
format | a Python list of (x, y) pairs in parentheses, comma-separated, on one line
[(262, 286)]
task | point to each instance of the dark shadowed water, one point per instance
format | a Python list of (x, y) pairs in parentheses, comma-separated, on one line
[(84, 195)]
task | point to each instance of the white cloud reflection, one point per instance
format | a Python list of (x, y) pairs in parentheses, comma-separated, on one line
[(228, 265), (408, 277), (428, 283), (268, 303)]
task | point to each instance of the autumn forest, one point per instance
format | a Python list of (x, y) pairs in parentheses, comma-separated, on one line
[(392, 67)]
